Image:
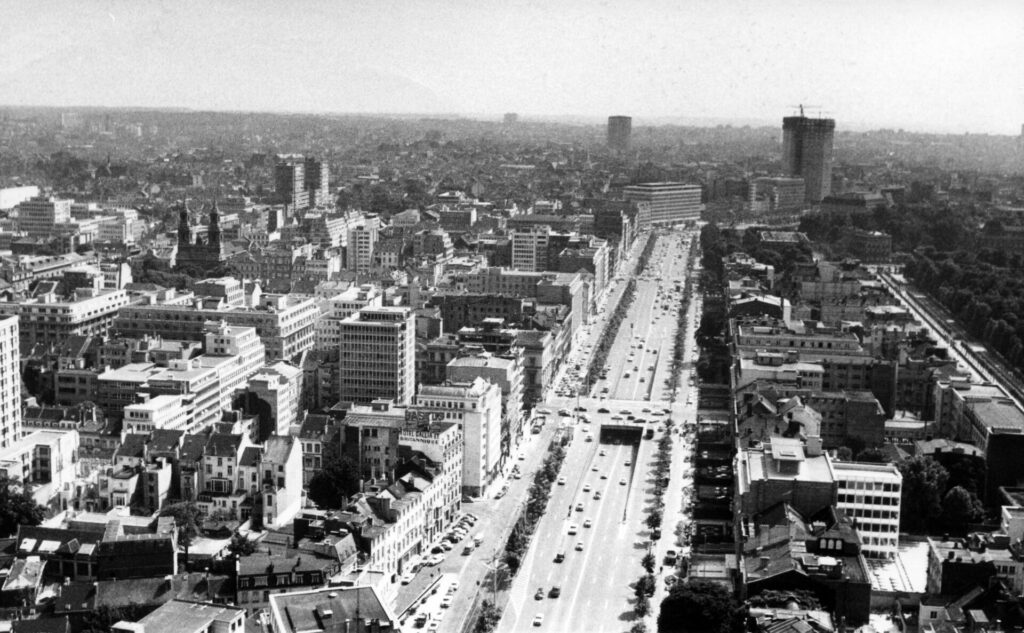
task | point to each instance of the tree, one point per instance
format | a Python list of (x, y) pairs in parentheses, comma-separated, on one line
[(653, 520), (488, 618), (698, 606), (17, 506), (924, 481), (873, 455), (648, 562), (638, 627), (642, 606), (240, 545), (188, 518), (644, 586), (844, 453), (960, 507), (336, 481), (778, 599)]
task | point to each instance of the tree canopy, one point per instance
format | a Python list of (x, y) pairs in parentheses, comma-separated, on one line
[(17, 506), (338, 480), (960, 507), (698, 606), (924, 482)]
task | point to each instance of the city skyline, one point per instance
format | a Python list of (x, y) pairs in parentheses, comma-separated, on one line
[(655, 61)]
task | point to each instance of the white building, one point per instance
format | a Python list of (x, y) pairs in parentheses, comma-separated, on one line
[(46, 459), (870, 494), (530, 248), (443, 444), (281, 475), (10, 382), (159, 412), (40, 216), (279, 385), (377, 355), (670, 202), (340, 307), (362, 239), (476, 408)]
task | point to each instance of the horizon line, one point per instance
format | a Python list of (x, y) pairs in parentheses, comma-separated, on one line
[(755, 122)]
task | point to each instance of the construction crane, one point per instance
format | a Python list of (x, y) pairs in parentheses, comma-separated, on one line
[(802, 106)]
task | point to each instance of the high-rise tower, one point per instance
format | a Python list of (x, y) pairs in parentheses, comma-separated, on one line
[(620, 128), (807, 152)]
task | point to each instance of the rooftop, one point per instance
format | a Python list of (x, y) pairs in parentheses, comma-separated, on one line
[(329, 610), (179, 616)]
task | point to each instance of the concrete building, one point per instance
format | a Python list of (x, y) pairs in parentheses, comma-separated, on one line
[(340, 307), (181, 616), (476, 408), (273, 394), (669, 202), (777, 195), (377, 355), (49, 319), (354, 609), (785, 470), (620, 130), (290, 181), (284, 323), (530, 248), (316, 182), (362, 239), (10, 382), (159, 412), (443, 445), (506, 371), (870, 495), (807, 153), (41, 215)]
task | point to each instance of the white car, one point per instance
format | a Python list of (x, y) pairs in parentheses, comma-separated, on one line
[(446, 602), (561, 481), (408, 578), (573, 529), (538, 619)]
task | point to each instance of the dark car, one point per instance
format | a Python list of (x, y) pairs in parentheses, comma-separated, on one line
[(555, 592)]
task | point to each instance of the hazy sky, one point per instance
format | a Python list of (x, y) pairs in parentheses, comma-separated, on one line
[(936, 65)]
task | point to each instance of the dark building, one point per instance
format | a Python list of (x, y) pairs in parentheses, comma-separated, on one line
[(620, 129), (807, 152), (199, 256)]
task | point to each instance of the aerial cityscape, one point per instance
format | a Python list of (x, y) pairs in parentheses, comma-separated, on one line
[(300, 334)]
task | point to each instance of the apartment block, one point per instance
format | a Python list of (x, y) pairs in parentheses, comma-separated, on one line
[(669, 202), (10, 381), (870, 494)]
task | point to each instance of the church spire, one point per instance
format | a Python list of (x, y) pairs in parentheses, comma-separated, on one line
[(184, 230), (213, 233)]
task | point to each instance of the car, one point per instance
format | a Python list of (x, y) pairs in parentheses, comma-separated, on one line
[(540, 594), (561, 481), (589, 438), (522, 456), (579, 546), (604, 476), (616, 418), (579, 507), (559, 557), (435, 625), (646, 410), (594, 468), (625, 375), (586, 487), (555, 592), (642, 379), (538, 619), (544, 411), (622, 482), (573, 529), (436, 559), (564, 412), (408, 577), (626, 412), (588, 523), (629, 463), (602, 409), (603, 453), (446, 602), (452, 588), (581, 409)]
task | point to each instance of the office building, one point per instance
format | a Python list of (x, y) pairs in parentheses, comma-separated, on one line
[(349, 609), (870, 495), (377, 355), (530, 248), (316, 179), (776, 195), (476, 407), (807, 153), (39, 216), (48, 319), (339, 308), (10, 382), (362, 240), (290, 182), (667, 202), (181, 616), (620, 129)]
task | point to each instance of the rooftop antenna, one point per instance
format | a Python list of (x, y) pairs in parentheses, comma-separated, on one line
[(802, 106)]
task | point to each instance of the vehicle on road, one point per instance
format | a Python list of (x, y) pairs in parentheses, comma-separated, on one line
[(579, 546), (540, 594), (579, 507), (622, 482), (559, 557), (538, 619), (561, 481), (573, 529), (597, 496), (408, 578), (602, 409), (671, 557), (555, 592), (446, 602), (588, 523)]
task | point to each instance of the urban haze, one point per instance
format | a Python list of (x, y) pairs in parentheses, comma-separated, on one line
[(474, 317)]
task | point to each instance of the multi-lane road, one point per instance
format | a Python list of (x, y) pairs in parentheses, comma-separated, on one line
[(592, 538)]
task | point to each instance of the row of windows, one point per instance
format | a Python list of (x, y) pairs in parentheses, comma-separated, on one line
[(868, 485), (869, 500)]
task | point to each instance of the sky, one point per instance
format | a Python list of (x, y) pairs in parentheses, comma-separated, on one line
[(925, 65)]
